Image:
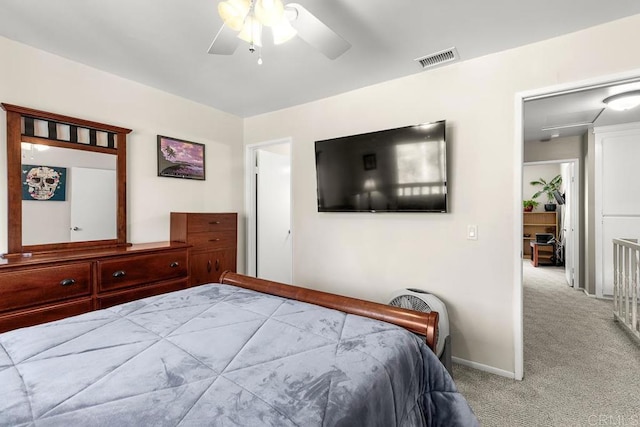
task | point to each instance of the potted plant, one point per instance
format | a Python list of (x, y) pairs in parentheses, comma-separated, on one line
[(548, 188), (528, 205)]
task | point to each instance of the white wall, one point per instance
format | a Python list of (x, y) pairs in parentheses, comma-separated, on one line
[(570, 147), (369, 255), (36, 79)]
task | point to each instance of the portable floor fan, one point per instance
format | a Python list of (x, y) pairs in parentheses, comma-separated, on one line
[(419, 300)]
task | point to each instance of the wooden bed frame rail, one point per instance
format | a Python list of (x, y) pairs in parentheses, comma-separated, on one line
[(425, 324)]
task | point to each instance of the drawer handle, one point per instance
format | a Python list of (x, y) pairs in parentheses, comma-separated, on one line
[(214, 240), (217, 265), (209, 266), (174, 264), (119, 273), (67, 282), (214, 222)]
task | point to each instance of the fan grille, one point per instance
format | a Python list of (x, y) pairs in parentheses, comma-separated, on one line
[(411, 302)]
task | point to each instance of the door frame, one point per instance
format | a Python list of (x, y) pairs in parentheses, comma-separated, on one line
[(250, 200), (576, 190), (518, 159)]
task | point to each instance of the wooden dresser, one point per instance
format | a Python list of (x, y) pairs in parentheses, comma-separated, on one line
[(44, 287), (214, 243)]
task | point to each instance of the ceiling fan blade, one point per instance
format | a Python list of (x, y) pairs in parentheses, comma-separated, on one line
[(316, 33), (225, 42)]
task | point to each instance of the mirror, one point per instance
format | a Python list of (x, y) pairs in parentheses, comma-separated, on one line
[(67, 195), (66, 182)]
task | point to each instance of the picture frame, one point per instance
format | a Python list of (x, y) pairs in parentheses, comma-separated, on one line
[(44, 183), (370, 162), (178, 158)]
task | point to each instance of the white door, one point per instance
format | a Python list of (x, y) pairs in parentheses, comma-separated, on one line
[(617, 183), (93, 204), (568, 228), (273, 211)]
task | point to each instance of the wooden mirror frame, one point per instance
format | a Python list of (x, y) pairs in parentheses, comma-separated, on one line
[(15, 137)]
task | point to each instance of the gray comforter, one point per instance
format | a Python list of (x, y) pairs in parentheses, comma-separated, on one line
[(225, 356)]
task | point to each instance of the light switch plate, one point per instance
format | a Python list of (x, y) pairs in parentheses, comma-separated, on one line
[(472, 232)]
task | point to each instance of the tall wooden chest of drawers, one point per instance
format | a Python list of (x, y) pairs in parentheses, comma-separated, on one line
[(214, 243)]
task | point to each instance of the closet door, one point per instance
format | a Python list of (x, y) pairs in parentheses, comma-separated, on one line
[(273, 228), (617, 186)]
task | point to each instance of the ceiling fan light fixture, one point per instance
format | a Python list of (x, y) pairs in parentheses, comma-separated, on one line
[(269, 12), (251, 31), (283, 31), (623, 101), (234, 12)]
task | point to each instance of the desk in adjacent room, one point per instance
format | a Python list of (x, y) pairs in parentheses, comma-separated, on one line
[(539, 251)]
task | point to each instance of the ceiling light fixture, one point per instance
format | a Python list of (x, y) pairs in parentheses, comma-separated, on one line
[(623, 101), (250, 16)]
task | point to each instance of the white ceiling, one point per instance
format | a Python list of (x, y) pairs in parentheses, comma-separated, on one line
[(575, 112), (163, 43)]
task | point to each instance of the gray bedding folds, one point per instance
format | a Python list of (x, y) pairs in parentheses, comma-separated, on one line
[(223, 356)]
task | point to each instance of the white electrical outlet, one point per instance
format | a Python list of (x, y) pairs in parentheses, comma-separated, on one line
[(472, 232)]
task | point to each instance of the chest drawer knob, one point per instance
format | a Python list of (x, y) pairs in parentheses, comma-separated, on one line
[(119, 273), (209, 266), (67, 282), (214, 240), (174, 264), (217, 265), (214, 222)]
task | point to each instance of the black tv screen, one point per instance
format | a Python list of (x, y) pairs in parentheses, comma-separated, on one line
[(394, 170)]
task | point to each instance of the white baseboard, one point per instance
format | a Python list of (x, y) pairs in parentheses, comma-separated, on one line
[(485, 368)]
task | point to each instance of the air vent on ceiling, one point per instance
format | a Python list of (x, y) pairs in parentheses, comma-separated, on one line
[(438, 58)]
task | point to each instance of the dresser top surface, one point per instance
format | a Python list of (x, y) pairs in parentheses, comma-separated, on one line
[(89, 254)]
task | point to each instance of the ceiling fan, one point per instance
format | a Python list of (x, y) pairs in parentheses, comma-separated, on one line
[(245, 20)]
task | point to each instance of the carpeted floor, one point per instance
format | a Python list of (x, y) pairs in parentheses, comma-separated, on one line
[(580, 367)]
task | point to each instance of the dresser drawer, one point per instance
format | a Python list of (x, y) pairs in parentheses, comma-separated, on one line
[(37, 286), (124, 272), (212, 240), (198, 223), (48, 313), (121, 297)]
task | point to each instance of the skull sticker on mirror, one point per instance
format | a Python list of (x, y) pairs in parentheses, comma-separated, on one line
[(43, 183)]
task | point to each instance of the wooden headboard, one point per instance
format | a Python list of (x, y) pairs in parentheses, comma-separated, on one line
[(425, 324)]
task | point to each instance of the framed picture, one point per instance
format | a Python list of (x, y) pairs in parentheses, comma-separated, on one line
[(370, 162), (180, 159), (44, 183)]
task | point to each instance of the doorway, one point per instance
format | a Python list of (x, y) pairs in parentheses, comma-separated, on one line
[(269, 232), (566, 225), (585, 117)]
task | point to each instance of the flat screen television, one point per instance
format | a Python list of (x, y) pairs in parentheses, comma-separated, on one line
[(394, 170)]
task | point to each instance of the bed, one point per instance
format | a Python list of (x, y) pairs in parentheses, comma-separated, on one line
[(244, 352)]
